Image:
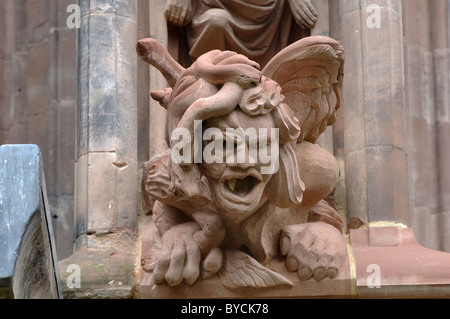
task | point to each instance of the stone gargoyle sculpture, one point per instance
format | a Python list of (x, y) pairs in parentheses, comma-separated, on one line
[(243, 182)]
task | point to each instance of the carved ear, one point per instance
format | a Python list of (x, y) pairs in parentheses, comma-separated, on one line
[(153, 52), (310, 73)]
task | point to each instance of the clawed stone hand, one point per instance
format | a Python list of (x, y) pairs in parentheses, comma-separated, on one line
[(181, 257), (313, 250)]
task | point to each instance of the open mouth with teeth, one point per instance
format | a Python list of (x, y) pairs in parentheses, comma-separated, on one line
[(242, 187)]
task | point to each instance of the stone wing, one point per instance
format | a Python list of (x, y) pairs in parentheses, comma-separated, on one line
[(310, 72), (240, 271)]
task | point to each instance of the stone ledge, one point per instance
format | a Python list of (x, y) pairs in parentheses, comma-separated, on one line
[(106, 266), (406, 269), (212, 288)]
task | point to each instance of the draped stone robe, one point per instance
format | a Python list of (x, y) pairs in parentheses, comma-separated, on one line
[(256, 28)]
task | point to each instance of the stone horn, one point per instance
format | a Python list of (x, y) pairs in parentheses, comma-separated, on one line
[(154, 53)]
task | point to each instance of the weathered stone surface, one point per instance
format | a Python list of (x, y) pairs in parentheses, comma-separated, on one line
[(20, 110), (28, 267), (388, 185), (375, 143), (107, 105), (420, 79), (157, 30), (67, 88), (38, 16), (63, 225), (66, 127), (38, 73), (395, 266), (21, 26), (8, 27), (444, 230), (7, 94), (105, 271), (143, 74), (102, 209), (106, 168), (122, 7)]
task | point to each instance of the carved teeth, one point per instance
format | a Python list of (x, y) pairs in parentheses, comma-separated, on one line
[(232, 184)]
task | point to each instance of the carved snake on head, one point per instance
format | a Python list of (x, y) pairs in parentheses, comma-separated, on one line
[(225, 72)]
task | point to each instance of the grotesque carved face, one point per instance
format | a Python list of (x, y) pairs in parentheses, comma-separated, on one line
[(240, 179)]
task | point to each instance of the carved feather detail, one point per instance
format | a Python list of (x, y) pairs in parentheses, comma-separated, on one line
[(310, 73), (240, 270)]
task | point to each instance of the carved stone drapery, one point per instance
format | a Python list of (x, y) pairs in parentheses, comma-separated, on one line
[(258, 29)]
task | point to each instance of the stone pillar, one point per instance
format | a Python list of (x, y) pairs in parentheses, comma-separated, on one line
[(6, 68), (374, 113), (158, 31), (440, 13), (377, 109), (419, 75), (106, 176), (106, 173), (143, 76), (322, 27), (337, 141)]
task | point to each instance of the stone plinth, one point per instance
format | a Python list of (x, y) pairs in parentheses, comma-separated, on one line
[(105, 271), (28, 267), (211, 289), (404, 268)]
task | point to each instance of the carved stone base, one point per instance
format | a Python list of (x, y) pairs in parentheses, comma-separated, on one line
[(212, 288), (103, 269), (405, 269)]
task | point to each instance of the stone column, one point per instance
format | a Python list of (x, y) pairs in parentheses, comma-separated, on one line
[(158, 31), (6, 69), (143, 76), (373, 111), (322, 27), (106, 176), (440, 13), (106, 173), (377, 154), (422, 118)]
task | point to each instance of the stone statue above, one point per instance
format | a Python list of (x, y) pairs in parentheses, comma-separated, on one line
[(239, 194), (257, 29)]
